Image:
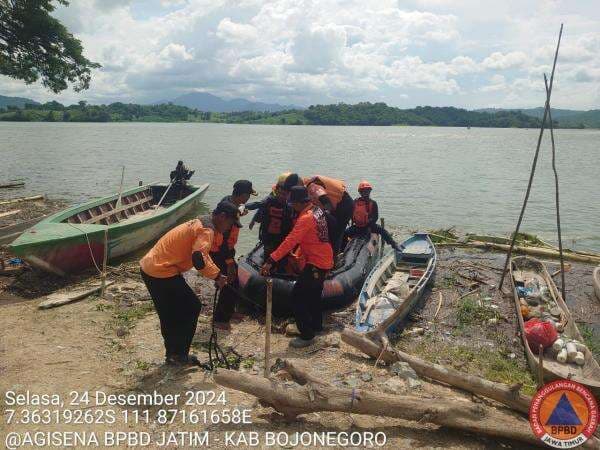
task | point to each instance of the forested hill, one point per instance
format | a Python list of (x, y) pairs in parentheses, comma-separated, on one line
[(335, 114)]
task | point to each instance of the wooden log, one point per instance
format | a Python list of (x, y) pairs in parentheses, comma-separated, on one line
[(534, 251), (12, 185), (269, 303), (300, 374), (22, 199), (459, 415), (64, 298), (596, 281), (507, 395), (10, 213)]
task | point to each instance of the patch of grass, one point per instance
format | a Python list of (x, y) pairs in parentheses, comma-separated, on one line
[(103, 307), (142, 365), (489, 363), (443, 235), (127, 317), (590, 340), (469, 312), (528, 239), (449, 281), (248, 363)]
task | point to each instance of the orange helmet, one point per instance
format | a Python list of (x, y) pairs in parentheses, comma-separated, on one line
[(364, 185)]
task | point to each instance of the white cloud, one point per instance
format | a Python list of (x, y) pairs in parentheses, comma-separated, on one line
[(503, 61), (236, 33), (308, 51)]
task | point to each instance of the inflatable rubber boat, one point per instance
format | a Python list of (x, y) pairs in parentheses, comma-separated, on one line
[(341, 287)]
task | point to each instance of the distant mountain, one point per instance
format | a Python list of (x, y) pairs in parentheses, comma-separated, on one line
[(211, 103), (15, 101), (568, 118)]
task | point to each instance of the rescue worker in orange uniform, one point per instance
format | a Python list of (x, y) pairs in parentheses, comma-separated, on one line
[(184, 247), (223, 254), (311, 234), (337, 201), (365, 216)]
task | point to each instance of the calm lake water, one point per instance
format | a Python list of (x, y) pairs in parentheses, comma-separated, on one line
[(423, 177)]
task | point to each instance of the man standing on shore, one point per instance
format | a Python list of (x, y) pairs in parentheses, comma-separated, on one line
[(223, 254), (184, 247), (311, 234)]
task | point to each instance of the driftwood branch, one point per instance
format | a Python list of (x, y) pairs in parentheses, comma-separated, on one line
[(507, 395), (456, 414), (534, 251)]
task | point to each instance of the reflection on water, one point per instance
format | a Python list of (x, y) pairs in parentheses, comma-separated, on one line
[(423, 177)]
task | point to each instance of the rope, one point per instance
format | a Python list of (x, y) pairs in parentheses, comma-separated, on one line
[(531, 175), (89, 246), (216, 356), (560, 246)]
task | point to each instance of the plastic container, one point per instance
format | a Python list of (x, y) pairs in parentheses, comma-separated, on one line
[(562, 356), (558, 345), (571, 351)]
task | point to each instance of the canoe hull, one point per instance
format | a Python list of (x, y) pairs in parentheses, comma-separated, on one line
[(368, 318), (72, 248), (589, 374)]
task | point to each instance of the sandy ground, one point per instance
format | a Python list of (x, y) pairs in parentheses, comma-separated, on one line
[(114, 345)]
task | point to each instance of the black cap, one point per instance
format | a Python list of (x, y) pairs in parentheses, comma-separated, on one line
[(292, 180), (230, 210), (243, 187), (299, 194)]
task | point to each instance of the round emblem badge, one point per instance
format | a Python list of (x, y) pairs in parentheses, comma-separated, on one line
[(563, 414)]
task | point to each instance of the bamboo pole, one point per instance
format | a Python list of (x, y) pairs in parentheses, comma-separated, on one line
[(22, 199), (120, 188), (534, 251), (540, 366), (534, 164), (268, 326), (560, 245), (104, 261)]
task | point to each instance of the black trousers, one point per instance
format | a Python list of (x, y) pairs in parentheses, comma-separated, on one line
[(228, 299), (178, 308), (342, 214), (306, 301), (374, 228)]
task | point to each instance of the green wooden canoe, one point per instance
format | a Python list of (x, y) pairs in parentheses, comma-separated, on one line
[(73, 239)]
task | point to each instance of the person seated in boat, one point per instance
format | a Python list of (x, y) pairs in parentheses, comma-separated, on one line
[(311, 235), (180, 176), (366, 215), (223, 254), (276, 189), (338, 202), (184, 247), (275, 217)]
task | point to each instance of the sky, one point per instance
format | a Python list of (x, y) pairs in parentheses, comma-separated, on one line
[(464, 53)]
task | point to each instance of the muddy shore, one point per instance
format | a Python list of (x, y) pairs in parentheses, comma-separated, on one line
[(114, 345)]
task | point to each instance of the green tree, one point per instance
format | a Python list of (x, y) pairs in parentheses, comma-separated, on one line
[(35, 45)]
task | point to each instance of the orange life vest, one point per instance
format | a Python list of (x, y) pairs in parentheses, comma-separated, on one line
[(335, 188), (275, 219), (362, 212)]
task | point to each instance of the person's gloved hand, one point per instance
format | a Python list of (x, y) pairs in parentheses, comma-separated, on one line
[(266, 269)]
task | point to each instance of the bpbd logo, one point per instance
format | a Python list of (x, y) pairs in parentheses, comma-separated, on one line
[(563, 414)]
